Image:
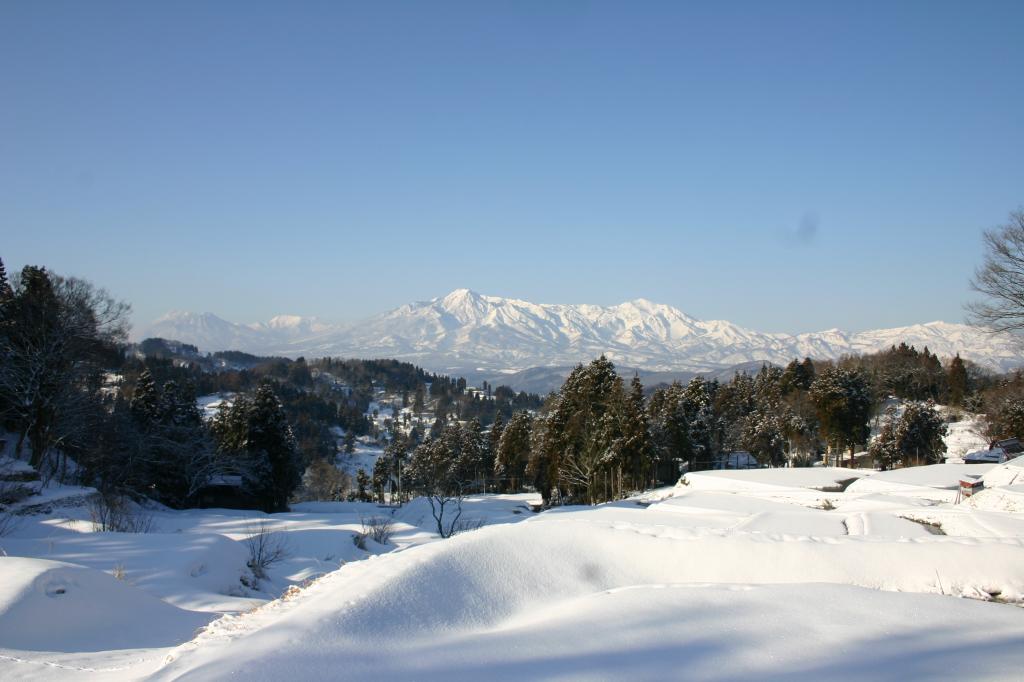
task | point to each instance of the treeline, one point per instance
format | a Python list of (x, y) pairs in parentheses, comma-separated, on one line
[(599, 438)]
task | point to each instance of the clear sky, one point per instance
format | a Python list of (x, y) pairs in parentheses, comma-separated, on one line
[(786, 166)]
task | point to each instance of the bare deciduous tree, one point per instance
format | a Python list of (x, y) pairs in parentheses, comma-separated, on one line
[(1001, 278), (52, 332)]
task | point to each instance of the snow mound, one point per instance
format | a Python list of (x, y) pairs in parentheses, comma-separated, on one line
[(189, 570), (812, 478), (936, 476), (1007, 473), (1005, 499), (55, 606), (506, 601)]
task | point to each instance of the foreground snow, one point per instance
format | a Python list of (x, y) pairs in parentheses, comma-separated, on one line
[(766, 574), (656, 632)]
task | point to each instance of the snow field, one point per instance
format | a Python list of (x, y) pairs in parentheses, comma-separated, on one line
[(514, 598), (762, 574)]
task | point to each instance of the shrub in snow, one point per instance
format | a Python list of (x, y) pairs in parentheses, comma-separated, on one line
[(379, 528), (111, 512), (266, 548), (466, 524)]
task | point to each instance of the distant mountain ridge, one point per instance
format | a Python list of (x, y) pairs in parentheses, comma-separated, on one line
[(465, 329)]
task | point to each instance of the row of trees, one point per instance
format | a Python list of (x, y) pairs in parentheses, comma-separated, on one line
[(598, 438)]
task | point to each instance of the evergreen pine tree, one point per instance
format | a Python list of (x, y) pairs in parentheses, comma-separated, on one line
[(957, 381), (637, 441), (145, 404), (362, 485), (922, 433), (272, 450), (6, 293), (381, 477), (885, 448), (584, 437), (843, 401), (513, 452)]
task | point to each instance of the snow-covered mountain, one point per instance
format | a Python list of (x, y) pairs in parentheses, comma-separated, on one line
[(212, 333), (468, 330)]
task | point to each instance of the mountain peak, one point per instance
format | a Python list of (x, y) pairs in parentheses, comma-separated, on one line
[(467, 329), (458, 296)]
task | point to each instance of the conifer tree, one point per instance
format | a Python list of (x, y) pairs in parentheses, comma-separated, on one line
[(584, 432), (1009, 419), (843, 401), (957, 381), (513, 452), (362, 484), (703, 422), (6, 293), (493, 439), (145, 400), (381, 476), (473, 454), (914, 438), (922, 433), (885, 448), (636, 444), (255, 430)]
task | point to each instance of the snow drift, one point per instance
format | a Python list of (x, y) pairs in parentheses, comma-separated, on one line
[(573, 573), (54, 606)]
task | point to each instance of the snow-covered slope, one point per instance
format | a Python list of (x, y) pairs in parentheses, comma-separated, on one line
[(466, 330)]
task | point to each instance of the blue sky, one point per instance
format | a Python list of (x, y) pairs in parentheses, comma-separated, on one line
[(786, 166)]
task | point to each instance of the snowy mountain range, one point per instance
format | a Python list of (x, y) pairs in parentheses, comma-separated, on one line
[(468, 330)]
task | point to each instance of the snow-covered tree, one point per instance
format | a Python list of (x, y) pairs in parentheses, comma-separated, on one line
[(843, 401), (922, 434), (885, 448), (764, 434), (1008, 421), (915, 437)]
